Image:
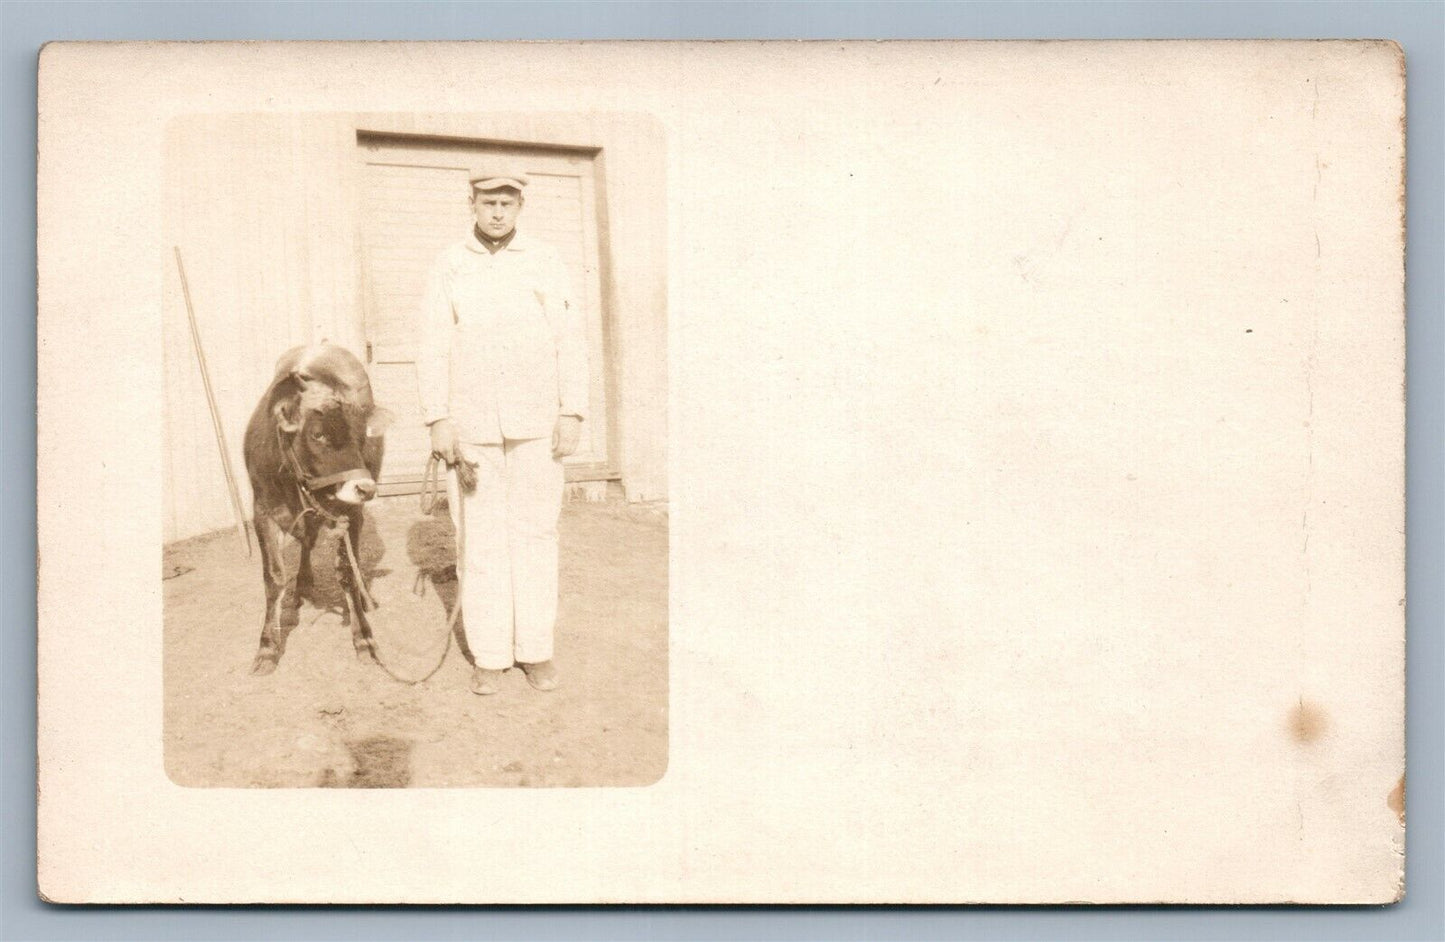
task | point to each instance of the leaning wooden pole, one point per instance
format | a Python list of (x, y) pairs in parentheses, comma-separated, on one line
[(215, 412)]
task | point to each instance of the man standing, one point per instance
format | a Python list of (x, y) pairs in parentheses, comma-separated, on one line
[(502, 370)]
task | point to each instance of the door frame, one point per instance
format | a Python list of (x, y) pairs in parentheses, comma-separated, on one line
[(606, 470)]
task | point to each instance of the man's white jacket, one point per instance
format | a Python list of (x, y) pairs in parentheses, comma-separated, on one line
[(503, 345)]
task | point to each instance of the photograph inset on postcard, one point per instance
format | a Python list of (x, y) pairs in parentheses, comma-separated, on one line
[(414, 468)]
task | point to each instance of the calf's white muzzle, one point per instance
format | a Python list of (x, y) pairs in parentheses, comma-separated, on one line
[(356, 491)]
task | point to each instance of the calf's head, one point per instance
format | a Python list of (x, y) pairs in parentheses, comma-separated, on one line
[(324, 433)]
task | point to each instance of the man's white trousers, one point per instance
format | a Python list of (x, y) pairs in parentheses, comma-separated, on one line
[(509, 594)]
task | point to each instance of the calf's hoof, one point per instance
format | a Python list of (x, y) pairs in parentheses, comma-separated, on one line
[(263, 665)]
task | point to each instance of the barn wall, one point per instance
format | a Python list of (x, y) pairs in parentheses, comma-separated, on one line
[(257, 206), (264, 210)]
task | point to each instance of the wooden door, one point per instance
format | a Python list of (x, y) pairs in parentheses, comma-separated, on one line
[(415, 204)]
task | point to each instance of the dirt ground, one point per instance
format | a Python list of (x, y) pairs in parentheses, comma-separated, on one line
[(326, 719)]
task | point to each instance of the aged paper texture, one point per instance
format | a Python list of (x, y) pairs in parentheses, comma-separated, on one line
[(1025, 424)]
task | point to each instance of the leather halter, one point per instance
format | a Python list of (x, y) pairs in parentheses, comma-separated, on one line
[(307, 483), (355, 474)]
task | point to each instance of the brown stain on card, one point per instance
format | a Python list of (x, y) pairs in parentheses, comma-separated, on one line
[(1396, 800), (1307, 722)]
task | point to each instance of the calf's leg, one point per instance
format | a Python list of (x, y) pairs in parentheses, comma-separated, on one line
[(270, 537), (361, 637), (302, 587)]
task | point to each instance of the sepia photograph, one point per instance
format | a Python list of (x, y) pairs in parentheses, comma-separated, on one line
[(414, 469)]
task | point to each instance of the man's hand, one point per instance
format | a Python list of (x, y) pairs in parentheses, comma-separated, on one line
[(444, 440), (566, 435)]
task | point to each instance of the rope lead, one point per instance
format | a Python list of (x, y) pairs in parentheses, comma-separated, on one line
[(430, 499)]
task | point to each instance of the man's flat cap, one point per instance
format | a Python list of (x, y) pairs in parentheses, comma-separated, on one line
[(495, 178)]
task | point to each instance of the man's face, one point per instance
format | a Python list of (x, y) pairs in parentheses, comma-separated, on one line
[(496, 211)]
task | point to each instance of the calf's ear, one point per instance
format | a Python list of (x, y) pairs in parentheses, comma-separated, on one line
[(286, 403), (287, 412), (378, 422)]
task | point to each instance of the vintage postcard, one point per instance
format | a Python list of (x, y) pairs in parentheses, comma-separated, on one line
[(848, 472)]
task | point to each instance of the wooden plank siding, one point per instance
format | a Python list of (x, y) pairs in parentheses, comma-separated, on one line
[(266, 210), (260, 209)]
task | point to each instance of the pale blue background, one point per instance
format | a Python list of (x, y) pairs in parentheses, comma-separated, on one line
[(1419, 26)]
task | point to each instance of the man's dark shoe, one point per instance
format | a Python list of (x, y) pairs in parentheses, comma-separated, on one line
[(542, 675)]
